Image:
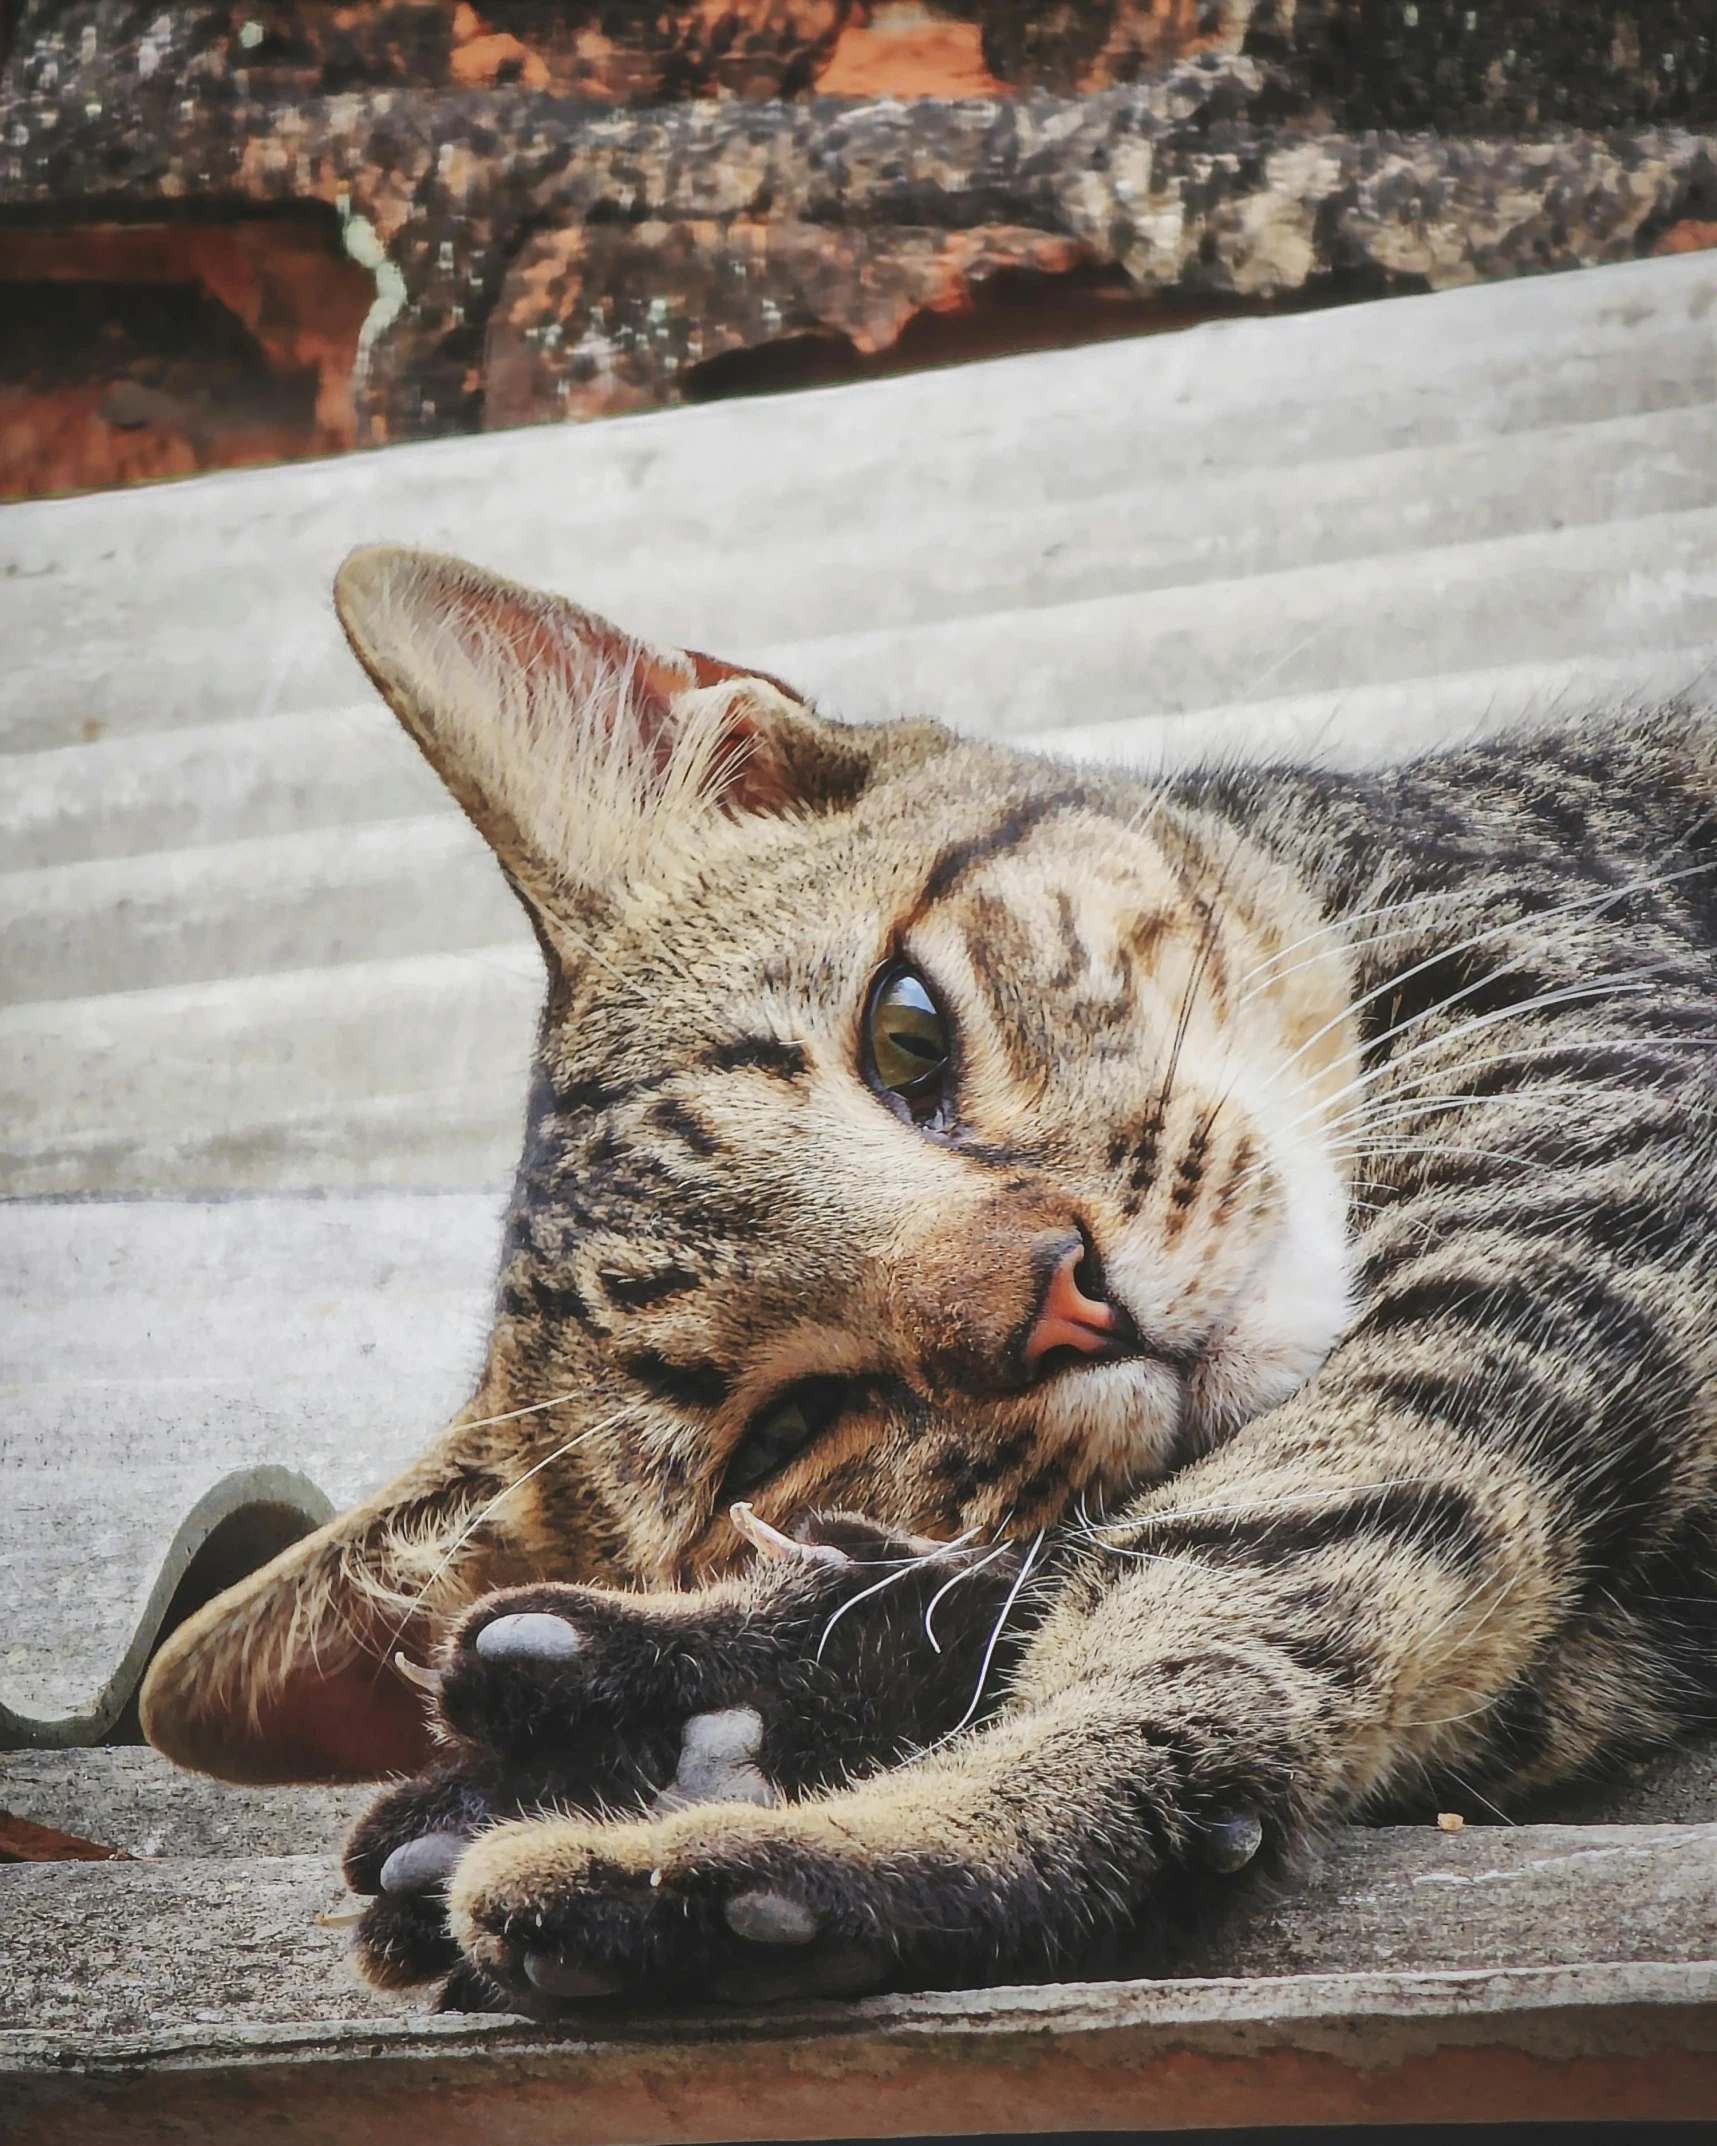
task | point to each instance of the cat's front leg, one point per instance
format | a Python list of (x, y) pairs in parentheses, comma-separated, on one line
[(1322, 1611), (1065, 1838)]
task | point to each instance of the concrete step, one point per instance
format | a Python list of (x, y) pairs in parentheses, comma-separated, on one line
[(237, 567), (217, 782), (128, 1797), (94, 1951), (298, 901), (262, 774), (377, 1073), (1610, 590), (170, 1366)]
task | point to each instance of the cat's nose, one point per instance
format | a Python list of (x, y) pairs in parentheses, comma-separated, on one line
[(1070, 1318)]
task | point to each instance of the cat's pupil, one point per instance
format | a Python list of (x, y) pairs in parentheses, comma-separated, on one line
[(907, 1034), (783, 1429)]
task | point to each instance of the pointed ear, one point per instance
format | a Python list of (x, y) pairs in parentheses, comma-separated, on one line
[(579, 751)]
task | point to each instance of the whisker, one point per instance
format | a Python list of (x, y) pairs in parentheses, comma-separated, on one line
[(1593, 902), (483, 1512), (948, 1587), (995, 1640)]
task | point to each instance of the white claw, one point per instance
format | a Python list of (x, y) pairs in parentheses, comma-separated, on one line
[(429, 1680), (770, 1542)]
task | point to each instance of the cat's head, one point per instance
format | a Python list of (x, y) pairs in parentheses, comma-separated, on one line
[(918, 1128)]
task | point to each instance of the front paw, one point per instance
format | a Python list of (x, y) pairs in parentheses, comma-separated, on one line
[(401, 1854), (842, 1648), (738, 1905)]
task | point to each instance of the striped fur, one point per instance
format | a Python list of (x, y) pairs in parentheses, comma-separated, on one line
[(1386, 1104)]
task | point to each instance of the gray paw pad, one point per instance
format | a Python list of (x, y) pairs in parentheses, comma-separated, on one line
[(718, 1762), (556, 1977), (528, 1636), (771, 1919), (1230, 1843), (422, 1864)]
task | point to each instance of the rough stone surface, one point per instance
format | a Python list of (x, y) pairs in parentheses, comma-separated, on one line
[(236, 1940), (173, 1368), (1190, 181), (130, 1798)]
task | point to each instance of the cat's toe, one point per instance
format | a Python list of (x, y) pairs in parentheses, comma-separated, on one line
[(445, 1805), (554, 1675), (719, 1762), (402, 1940), (726, 1905)]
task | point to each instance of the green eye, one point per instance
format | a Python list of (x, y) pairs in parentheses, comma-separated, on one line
[(785, 1428), (906, 1035)]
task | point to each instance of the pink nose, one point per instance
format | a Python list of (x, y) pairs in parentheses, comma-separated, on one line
[(1068, 1318)]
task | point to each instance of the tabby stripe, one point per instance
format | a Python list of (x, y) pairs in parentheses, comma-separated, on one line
[(700, 1384), (963, 857), (1611, 1062), (759, 1054), (534, 1297), (1434, 1516), (673, 1117), (1649, 1224), (632, 1292)]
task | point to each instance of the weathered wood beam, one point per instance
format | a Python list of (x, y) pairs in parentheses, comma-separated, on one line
[(1499, 1973)]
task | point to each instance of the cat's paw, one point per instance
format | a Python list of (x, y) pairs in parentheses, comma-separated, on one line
[(739, 1905), (844, 1647)]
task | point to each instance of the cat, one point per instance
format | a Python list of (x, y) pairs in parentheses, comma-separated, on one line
[(1056, 1333)]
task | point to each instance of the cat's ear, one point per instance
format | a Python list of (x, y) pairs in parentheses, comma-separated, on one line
[(293, 1674), (581, 753)]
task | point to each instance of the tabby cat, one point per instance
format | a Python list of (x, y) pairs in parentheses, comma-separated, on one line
[(1055, 1334)]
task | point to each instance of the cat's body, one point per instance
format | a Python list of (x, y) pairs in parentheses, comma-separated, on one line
[(1265, 1223)]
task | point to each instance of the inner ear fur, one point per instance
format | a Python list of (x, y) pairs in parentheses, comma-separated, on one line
[(579, 751), (290, 1676)]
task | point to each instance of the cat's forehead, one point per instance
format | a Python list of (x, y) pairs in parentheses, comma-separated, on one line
[(793, 905)]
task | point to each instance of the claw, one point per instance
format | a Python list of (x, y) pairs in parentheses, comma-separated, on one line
[(429, 1680), (342, 1918), (770, 1542)]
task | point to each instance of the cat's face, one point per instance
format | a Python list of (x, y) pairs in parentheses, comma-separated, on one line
[(918, 1128)]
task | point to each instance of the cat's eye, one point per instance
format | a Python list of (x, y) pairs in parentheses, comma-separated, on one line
[(784, 1428), (906, 1037)]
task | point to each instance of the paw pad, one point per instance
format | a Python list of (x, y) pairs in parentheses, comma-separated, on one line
[(419, 1866), (1230, 1843), (771, 1919), (528, 1636), (718, 1762)]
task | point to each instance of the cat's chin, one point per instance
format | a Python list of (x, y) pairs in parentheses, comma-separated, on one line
[(1126, 1419)]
